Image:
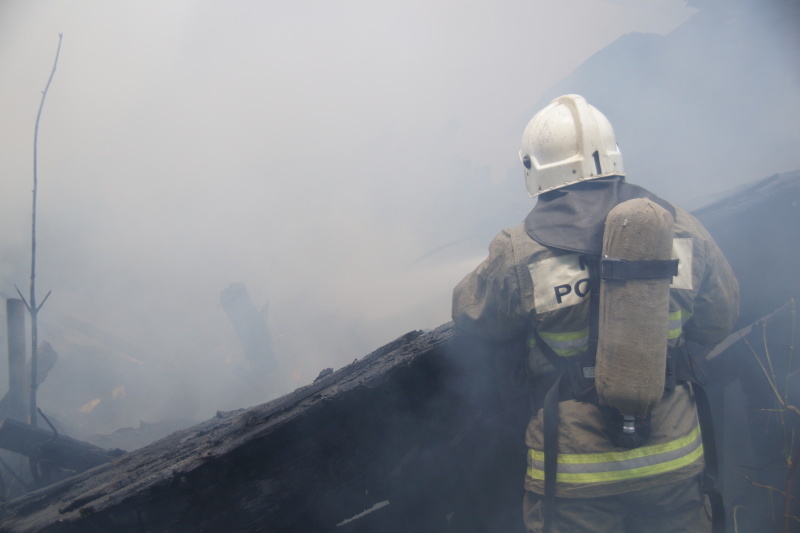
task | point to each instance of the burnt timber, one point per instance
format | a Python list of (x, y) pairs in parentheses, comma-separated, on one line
[(423, 435), (43, 445), (395, 422)]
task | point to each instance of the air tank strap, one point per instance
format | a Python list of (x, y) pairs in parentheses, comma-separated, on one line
[(593, 262), (550, 430), (563, 384), (624, 269)]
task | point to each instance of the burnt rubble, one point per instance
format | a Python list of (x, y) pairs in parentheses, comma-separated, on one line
[(426, 433)]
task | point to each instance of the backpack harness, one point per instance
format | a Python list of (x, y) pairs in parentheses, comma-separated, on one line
[(573, 379)]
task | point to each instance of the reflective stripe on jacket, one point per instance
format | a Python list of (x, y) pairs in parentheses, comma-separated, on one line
[(590, 465), (621, 465)]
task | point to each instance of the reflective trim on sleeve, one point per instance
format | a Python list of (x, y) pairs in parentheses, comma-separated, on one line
[(676, 321), (618, 466), (567, 343)]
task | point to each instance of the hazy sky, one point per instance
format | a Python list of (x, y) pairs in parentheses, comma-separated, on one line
[(293, 146)]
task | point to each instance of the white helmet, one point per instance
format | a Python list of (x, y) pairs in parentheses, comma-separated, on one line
[(567, 142)]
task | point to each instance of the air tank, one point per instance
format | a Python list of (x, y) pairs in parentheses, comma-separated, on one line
[(634, 313)]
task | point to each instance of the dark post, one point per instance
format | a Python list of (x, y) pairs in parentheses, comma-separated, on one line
[(17, 368)]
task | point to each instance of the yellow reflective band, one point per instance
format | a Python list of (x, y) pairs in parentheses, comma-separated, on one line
[(616, 457), (620, 475), (680, 314), (675, 333), (678, 318), (566, 335), (569, 352), (567, 343), (616, 468)]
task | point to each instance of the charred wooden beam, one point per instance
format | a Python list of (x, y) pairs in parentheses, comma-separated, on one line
[(397, 426), (43, 445)]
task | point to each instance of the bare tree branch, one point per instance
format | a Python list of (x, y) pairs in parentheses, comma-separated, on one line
[(33, 308)]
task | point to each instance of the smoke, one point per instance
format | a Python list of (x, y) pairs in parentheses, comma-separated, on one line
[(347, 161), (711, 106)]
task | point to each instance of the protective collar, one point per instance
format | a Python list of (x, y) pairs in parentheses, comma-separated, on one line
[(573, 218)]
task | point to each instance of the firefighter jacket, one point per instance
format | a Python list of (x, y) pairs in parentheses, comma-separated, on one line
[(535, 279)]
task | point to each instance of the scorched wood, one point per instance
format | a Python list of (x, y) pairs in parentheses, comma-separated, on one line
[(423, 435), (43, 445), (396, 426)]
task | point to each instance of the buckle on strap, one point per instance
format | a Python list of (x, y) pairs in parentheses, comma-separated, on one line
[(624, 269)]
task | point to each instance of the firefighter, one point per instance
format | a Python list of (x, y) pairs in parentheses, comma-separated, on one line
[(600, 471)]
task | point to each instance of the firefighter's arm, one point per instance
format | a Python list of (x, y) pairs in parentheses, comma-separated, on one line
[(486, 302), (716, 306)]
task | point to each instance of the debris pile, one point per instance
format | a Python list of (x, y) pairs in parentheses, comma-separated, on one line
[(424, 434)]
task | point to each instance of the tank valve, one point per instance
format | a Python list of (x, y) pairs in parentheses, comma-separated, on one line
[(628, 424)]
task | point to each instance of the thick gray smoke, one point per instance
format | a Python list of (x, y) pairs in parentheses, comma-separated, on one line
[(347, 162), (712, 105)]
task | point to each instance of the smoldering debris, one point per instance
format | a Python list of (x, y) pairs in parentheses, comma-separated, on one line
[(433, 424)]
